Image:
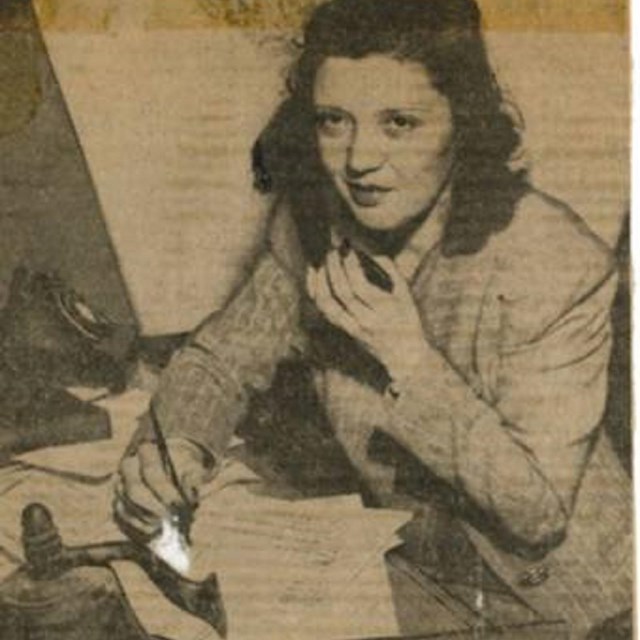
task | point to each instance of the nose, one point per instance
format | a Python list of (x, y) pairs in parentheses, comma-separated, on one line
[(365, 154)]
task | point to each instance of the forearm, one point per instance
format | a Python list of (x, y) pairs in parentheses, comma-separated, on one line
[(198, 401), (205, 389), (465, 441), (521, 457)]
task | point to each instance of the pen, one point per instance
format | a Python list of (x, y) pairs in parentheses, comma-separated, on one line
[(182, 513), (374, 273)]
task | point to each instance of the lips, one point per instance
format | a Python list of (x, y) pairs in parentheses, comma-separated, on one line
[(367, 195)]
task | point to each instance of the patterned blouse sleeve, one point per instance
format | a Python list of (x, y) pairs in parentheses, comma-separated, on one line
[(203, 393)]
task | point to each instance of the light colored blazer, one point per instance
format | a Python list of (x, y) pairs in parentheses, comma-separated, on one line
[(506, 411)]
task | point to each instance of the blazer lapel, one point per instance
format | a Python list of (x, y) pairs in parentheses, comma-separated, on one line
[(451, 295)]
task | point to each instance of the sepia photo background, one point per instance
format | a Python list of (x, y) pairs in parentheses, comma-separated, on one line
[(167, 98), (125, 149)]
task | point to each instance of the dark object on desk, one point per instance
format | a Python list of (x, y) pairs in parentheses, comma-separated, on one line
[(67, 593), (35, 416), (50, 339), (49, 334)]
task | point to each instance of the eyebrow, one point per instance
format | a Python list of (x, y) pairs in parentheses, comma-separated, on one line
[(327, 107), (405, 109)]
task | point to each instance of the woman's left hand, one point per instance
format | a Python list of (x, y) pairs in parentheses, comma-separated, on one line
[(387, 324)]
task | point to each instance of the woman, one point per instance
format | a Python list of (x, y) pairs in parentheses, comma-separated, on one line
[(443, 301)]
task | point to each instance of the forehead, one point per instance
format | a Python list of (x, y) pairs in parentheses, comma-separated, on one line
[(376, 81)]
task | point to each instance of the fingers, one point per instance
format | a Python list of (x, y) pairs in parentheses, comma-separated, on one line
[(367, 293), (155, 477), (136, 488), (192, 468), (346, 297), (312, 276), (131, 525), (137, 509), (191, 481), (145, 493), (341, 287), (321, 292)]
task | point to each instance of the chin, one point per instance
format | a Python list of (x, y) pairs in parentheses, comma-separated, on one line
[(378, 218), (391, 214)]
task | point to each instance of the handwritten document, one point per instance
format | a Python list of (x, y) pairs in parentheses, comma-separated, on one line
[(287, 568), (297, 564)]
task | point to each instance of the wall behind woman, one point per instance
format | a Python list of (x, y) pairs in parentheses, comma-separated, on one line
[(168, 96)]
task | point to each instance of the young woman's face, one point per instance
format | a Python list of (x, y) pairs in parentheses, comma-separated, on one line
[(384, 135)]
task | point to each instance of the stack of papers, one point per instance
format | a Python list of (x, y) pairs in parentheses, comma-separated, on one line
[(299, 569), (308, 568)]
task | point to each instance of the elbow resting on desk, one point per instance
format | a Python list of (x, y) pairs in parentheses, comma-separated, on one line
[(535, 531), (536, 545)]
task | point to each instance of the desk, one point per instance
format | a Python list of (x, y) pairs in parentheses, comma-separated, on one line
[(423, 607)]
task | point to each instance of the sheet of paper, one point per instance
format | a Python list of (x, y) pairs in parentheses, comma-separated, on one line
[(287, 569)]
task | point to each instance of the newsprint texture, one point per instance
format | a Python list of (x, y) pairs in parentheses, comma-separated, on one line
[(314, 320)]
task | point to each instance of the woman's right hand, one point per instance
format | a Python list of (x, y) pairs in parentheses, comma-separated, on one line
[(144, 492)]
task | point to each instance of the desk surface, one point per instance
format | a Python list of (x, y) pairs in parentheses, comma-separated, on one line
[(424, 607)]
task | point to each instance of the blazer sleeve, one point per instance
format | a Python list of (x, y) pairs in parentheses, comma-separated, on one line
[(520, 457), (203, 392)]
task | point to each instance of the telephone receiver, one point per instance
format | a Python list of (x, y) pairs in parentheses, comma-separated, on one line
[(72, 593)]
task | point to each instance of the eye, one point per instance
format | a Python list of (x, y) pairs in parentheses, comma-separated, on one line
[(333, 123), (398, 123)]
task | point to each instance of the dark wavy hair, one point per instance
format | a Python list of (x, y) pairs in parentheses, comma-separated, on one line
[(443, 35)]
